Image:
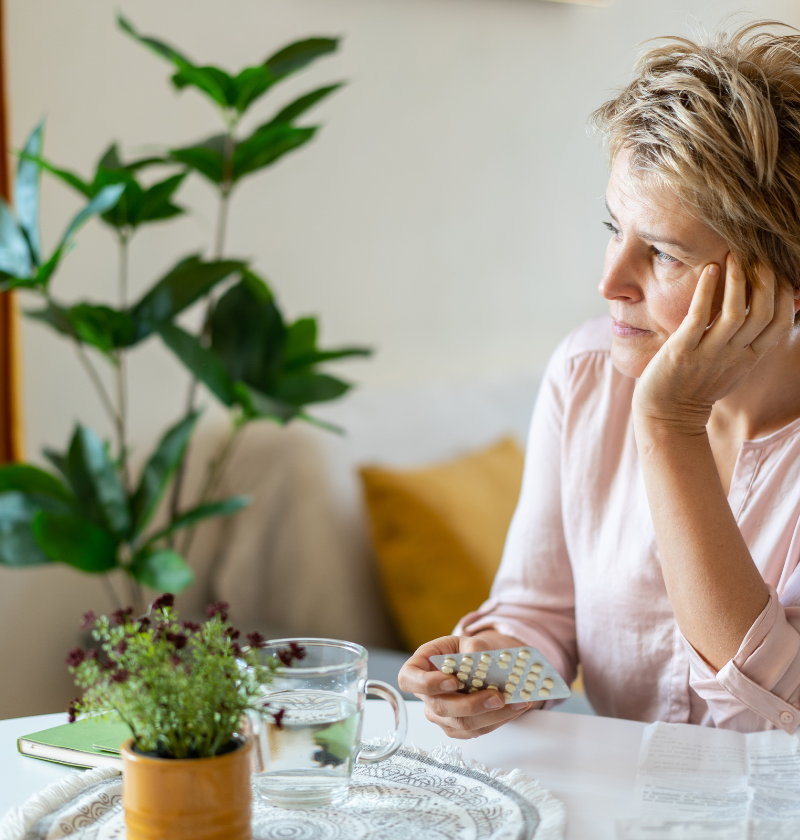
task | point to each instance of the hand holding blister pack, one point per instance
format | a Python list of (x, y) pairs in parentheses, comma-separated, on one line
[(520, 674)]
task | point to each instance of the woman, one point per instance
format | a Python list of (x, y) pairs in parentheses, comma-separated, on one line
[(656, 538)]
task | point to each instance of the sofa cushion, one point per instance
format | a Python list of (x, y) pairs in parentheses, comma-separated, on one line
[(438, 535)]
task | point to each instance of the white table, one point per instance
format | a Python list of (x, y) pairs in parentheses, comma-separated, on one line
[(587, 762)]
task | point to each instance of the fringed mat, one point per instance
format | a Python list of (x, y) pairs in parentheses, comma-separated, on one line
[(437, 795)]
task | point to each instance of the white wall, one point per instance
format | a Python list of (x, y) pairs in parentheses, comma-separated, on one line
[(448, 214)]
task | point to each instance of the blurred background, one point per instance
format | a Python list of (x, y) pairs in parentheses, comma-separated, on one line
[(448, 215)]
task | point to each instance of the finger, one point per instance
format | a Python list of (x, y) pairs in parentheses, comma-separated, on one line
[(693, 326), (456, 705), (471, 727), (420, 676), (734, 304), (780, 325), (762, 309)]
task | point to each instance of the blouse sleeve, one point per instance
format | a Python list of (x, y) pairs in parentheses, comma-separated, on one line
[(762, 681), (532, 598)]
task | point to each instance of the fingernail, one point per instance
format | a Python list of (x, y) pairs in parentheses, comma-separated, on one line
[(449, 684), (494, 702), (713, 270)]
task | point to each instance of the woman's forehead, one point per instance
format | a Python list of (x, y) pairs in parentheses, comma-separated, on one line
[(654, 212)]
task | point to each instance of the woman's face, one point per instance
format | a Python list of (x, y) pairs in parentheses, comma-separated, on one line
[(653, 262)]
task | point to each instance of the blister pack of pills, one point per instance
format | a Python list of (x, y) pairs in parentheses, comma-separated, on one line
[(521, 674)]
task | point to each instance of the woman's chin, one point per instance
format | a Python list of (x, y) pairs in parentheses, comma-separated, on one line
[(627, 361)]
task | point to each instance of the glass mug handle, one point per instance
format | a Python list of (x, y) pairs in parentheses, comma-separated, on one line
[(394, 698)]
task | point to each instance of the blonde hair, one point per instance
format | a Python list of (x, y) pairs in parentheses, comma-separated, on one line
[(719, 123)]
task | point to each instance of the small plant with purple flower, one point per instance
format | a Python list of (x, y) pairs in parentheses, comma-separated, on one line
[(182, 688)]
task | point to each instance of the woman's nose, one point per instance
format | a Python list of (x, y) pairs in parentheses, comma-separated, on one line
[(620, 276)]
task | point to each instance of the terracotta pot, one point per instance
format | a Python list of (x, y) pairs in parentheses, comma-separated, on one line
[(187, 798)]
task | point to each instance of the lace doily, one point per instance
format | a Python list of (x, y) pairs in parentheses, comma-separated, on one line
[(436, 795)]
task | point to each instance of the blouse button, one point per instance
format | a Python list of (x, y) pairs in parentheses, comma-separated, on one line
[(787, 717)]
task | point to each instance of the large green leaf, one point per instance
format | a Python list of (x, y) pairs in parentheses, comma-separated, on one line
[(298, 55), (75, 541), (158, 471), (225, 507), (94, 324), (15, 255), (28, 479), (257, 405), (265, 146), (70, 178), (18, 546), (156, 204), (185, 283), (210, 80), (26, 192), (304, 103), (303, 388), (104, 200), (96, 483), (300, 352), (247, 333), (58, 460), (164, 571), (249, 85), (203, 363)]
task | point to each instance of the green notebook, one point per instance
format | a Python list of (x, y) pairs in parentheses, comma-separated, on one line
[(85, 743)]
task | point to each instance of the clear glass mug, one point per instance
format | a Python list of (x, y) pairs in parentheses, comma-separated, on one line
[(308, 739)]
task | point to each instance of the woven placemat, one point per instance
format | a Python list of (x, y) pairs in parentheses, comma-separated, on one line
[(437, 795)]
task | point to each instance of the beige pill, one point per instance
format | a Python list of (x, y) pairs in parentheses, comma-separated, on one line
[(543, 692), (510, 688), (513, 678), (481, 670), (467, 660), (502, 665), (450, 662), (536, 668), (447, 670), (505, 656), (477, 683), (461, 685), (547, 683), (473, 690), (486, 657), (507, 697), (529, 686), (524, 654), (493, 687), (517, 669), (524, 695)]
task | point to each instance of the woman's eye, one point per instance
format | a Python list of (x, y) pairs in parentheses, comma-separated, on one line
[(611, 227), (662, 257)]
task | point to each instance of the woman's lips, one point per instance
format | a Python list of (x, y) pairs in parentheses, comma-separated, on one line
[(623, 330)]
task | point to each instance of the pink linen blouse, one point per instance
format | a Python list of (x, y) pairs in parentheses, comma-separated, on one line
[(581, 578)]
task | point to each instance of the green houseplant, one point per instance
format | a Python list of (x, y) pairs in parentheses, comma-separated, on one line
[(91, 512), (183, 689)]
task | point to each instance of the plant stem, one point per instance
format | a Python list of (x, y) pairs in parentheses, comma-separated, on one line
[(119, 365), (216, 470), (98, 384), (205, 335), (111, 591)]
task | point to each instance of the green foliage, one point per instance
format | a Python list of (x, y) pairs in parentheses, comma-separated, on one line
[(94, 515), (21, 262), (137, 205), (182, 688)]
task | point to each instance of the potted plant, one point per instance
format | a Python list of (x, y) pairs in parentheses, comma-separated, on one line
[(183, 689), (92, 511)]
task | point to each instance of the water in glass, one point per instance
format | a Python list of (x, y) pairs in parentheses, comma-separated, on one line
[(311, 748)]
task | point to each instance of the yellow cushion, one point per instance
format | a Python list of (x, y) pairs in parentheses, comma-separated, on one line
[(438, 535)]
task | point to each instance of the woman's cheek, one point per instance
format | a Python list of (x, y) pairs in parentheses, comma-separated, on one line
[(669, 304)]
